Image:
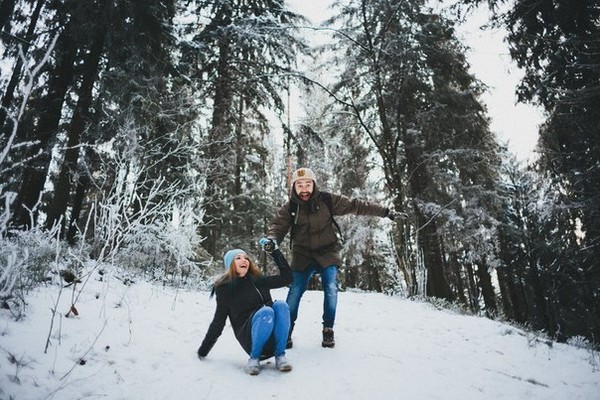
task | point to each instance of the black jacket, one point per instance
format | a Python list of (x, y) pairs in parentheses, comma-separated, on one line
[(239, 300)]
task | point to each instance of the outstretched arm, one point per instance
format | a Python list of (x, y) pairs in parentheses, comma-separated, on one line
[(343, 205)]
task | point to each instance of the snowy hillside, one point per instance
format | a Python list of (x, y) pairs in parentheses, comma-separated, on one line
[(139, 341)]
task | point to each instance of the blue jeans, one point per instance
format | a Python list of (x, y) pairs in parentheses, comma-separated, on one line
[(330, 291), (267, 321)]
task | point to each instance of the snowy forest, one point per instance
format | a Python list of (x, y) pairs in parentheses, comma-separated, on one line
[(156, 134)]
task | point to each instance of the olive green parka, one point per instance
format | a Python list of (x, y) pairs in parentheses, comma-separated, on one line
[(313, 234)]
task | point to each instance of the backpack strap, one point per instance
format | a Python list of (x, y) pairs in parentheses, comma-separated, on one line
[(326, 196), (294, 218)]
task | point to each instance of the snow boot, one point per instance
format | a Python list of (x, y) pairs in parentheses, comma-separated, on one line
[(290, 343), (328, 340), (253, 366), (282, 364)]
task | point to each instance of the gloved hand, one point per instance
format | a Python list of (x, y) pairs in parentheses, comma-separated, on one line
[(393, 215), (268, 244)]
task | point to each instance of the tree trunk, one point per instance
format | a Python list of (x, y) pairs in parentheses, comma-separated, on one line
[(239, 149), (34, 176), (437, 283), (460, 287), (540, 312), (67, 175), (9, 94), (519, 295), (7, 7), (473, 289), (508, 309), (82, 185), (408, 272), (487, 290), (223, 102)]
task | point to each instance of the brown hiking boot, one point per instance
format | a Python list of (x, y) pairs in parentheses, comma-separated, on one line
[(328, 340)]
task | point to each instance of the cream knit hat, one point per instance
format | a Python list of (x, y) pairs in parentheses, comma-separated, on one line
[(303, 173)]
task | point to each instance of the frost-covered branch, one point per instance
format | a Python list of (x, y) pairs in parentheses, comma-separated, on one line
[(32, 73)]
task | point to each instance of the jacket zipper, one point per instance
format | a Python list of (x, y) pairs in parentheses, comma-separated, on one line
[(258, 291)]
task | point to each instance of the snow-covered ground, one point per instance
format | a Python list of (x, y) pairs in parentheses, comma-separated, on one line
[(139, 341)]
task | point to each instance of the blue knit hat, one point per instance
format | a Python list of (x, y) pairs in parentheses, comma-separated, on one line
[(229, 256)]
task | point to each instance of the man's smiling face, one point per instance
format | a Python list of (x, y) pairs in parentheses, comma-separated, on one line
[(304, 188)]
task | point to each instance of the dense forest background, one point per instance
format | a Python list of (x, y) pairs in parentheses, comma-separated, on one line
[(156, 134)]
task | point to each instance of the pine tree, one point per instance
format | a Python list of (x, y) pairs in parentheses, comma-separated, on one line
[(406, 81), (113, 68), (245, 54), (557, 44), (38, 130)]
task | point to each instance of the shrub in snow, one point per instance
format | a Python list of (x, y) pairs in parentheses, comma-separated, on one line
[(580, 342), (27, 259), (161, 250)]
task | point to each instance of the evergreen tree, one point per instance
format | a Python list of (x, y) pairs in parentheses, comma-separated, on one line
[(68, 175), (557, 43), (406, 81), (540, 278), (146, 101), (113, 67), (245, 54), (37, 132)]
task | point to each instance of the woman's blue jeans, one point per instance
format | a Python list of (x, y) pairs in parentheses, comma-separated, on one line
[(267, 321), (330, 292)]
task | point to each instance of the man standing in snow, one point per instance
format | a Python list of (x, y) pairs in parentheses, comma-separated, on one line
[(308, 216)]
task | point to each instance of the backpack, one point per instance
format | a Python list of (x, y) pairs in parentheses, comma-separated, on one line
[(326, 197)]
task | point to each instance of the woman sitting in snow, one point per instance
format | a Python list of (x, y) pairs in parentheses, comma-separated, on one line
[(260, 324)]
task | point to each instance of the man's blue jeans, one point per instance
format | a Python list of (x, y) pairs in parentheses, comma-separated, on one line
[(267, 321), (330, 291)]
